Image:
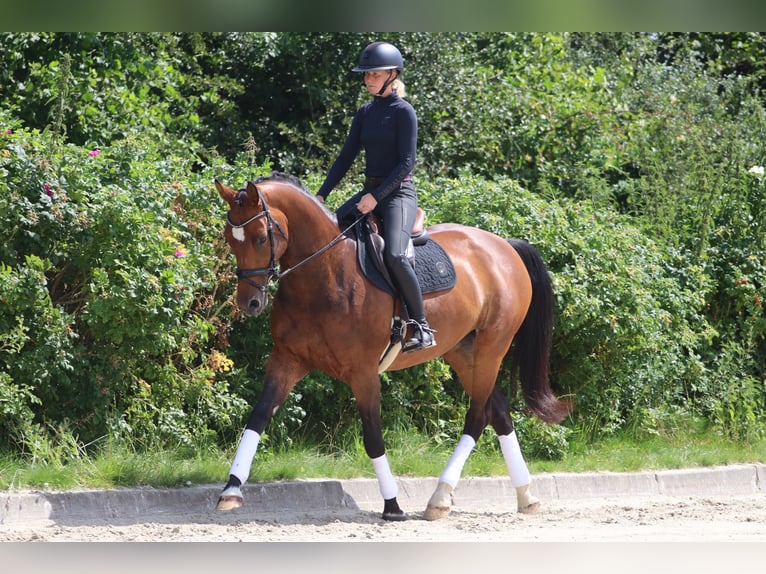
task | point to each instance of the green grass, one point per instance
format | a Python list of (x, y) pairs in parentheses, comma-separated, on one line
[(410, 455), (622, 454)]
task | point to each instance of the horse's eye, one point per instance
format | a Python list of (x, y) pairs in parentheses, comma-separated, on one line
[(261, 240)]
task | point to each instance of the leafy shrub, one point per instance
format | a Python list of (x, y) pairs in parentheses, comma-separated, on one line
[(628, 319), (37, 356), (109, 295), (542, 441)]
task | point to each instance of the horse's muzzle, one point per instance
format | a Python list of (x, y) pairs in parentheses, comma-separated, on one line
[(252, 304)]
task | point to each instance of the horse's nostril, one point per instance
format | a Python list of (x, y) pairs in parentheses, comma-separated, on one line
[(251, 304)]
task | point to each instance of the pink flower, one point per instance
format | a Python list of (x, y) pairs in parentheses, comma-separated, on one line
[(8, 132), (180, 253), (94, 152), (48, 190)]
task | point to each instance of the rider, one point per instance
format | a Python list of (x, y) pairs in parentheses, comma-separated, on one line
[(387, 129)]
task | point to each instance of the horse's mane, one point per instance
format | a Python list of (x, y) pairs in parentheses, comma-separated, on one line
[(296, 183), (283, 177)]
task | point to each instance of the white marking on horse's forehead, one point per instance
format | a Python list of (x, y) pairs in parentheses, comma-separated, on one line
[(238, 233)]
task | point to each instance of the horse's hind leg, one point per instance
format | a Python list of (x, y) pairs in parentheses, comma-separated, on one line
[(500, 418), (476, 360), (440, 503), (495, 411)]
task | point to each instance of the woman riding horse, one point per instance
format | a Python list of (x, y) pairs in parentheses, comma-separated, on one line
[(387, 129)]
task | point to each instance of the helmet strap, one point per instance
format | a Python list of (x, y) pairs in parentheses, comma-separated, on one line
[(387, 83)]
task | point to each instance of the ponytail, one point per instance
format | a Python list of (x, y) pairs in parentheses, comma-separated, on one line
[(398, 88)]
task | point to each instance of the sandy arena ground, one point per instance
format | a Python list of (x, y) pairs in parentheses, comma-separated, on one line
[(619, 519)]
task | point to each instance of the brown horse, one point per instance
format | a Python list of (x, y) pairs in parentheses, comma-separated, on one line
[(326, 315)]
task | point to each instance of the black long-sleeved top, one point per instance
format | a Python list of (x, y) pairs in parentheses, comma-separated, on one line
[(387, 129)]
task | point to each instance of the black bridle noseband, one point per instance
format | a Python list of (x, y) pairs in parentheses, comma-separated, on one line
[(272, 272)]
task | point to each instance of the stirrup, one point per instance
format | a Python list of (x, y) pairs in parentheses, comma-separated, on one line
[(423, 337)]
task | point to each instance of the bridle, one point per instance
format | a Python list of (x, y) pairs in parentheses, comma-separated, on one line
[(272, 272)]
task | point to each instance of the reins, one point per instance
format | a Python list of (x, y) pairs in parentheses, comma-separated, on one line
[(340, 236), (272, 272)]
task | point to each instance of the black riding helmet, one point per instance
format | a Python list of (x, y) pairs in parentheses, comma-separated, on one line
[(380, 56)]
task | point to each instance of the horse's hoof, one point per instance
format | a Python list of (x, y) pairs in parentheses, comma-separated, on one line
[(527, 503), (230, 499), (533, 508), (436, 512), (392, 512), (440, 502)]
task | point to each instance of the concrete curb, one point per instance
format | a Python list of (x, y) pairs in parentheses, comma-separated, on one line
[(725, 481), (198, 502)]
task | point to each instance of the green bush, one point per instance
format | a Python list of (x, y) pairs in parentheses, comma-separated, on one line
[(111, 308), (629, 322)]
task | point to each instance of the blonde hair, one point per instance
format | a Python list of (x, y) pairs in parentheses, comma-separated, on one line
[(398, 88)]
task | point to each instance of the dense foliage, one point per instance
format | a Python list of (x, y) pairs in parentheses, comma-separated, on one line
[(634, 162)]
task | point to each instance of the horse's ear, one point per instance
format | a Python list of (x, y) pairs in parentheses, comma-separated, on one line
[(253, 194), (226, 193)]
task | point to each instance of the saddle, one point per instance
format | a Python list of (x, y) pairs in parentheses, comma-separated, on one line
[(374, 238), (433, 266)]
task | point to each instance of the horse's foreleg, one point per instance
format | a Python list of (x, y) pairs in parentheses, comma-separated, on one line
[(274, 395), (389, 489), (231, 497), (372, 431)]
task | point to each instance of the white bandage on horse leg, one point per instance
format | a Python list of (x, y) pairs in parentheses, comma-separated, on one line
[(514, 460), (386, 481), (454, 469), (243, 460)]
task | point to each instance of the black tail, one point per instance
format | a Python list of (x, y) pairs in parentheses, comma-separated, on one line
[(531, 349)]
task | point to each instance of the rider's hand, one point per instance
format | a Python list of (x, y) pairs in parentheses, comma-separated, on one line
[(367, 203)]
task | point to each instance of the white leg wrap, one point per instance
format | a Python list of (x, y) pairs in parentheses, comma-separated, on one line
[(386, 481), (454, 469), (514, 460), (248, 444)]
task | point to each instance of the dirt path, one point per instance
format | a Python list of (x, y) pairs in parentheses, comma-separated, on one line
[(622, 519)]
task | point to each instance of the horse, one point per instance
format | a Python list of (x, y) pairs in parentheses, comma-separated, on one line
[(327, 315)]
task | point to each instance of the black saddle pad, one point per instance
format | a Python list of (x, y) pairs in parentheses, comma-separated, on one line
[(433, 265)]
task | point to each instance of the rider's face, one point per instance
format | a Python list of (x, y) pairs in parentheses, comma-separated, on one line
[(375, 79)]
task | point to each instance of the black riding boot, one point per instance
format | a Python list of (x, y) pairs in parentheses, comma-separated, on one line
[(409, 289), (422, 336)]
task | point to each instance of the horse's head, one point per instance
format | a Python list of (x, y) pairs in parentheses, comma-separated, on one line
[(257, 240)]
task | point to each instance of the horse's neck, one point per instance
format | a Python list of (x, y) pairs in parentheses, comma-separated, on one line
[(311, 229)]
